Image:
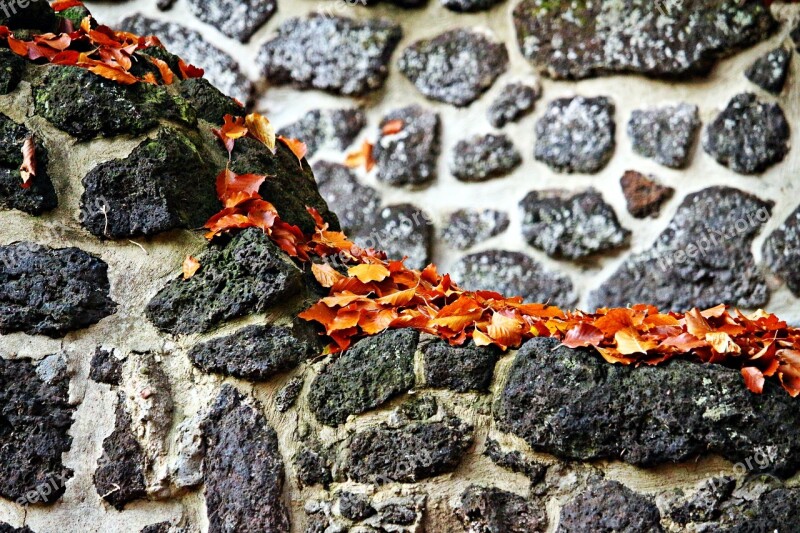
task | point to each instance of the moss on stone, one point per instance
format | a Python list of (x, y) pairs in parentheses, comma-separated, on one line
[(211, 104)]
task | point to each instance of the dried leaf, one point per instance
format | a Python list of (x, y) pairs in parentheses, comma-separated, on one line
[(326, 275), (262, 130), (583, 335), (298, 148), (753, 379), (190, 267), (361, 157), (393, 127), (28, 168), (368, 273)]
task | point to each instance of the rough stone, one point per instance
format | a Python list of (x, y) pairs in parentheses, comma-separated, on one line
[(420, 407), (220, 68), (312, 468), (576, 134), (46, 291), (455, 67), (290, 184), (770, 70), (572, 404), (702, 259), (409, 157), (514, 461), (41, 195), (572, 226), (331, 53), (400, 230), (705, 505), (782, 251), (491, 510), (247, 275), (608, 507), (749, 136), (11, 68), (236, 19), (483, 157), (665, 134), (368, 374), (514, 102), (106, 367), (327, 128), (775, 510), (513, 274), (355, 506), (6, 528), (161, 527), (186, 467), (257, 353), (211, 104), (466, 228), (288, 394), (459, 368), (33, 15), (356, 204), (165, 183), (644, 195), (35, 419), (418, 451), (469, 6), (566, 40), (244, 474), (85, 105)]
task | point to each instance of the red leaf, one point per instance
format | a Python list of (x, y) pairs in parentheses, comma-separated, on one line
[(753, 379), (62, 5)]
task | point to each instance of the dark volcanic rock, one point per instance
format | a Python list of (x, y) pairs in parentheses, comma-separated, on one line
[(775, 510), (610, 507), (748, 136), (400, 230), (327, 128), (467, 228), (312, 468), (665, 134), (468, 6), (30, 15), (409, 156), (576, 134), (164, 184), (574, 405), (235, 18), (161, 527), (248, 275), (484, 157), (455, 67), (106, 367), (35, 418), (514, 461), (706, 503), (418, 408), (11, 69), (86, 105), (459, 368), (289, 185), (782, 251), (572, 40), (769, 71), (355, 506), (119, 478), (257, 353), (220, 68), (6, 528), (336, 54), (572, 226), (514, 102), (368, 374), (210, 104), (702, 259), (40, 196), (417, 451), (288, 394), (513, 274), (491, 510), (243, 468), (46, 291), (355, 203), (644, 196)]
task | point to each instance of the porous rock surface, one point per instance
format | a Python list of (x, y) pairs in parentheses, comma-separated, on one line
[(665, 134), (40, 196)]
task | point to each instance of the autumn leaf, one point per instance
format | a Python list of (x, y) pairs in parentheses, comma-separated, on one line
[(298, 148), (190, 267), (367, 273), (753, 379), (189, 71), (583, 335), (28, 168), (325, 274), (393, 127), (361, 157), (63, 5), (261, 129), (629, 342), (112, 73), (166, 73)]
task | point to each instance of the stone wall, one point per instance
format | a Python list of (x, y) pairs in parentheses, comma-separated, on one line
[(610, 198), (134, 400)]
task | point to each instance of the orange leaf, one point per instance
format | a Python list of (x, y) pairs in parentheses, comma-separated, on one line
[(63, 5), (611, 355), (696, 324), (614, 320), (113, 73), (368, 273), (298, 148), (392, 127), (753, 379), (189, 71), (325, 274), (363, 156), (630, 342), (261, 129), (583, 335), (722, 342), (398, 298), (28, 168), (190, 267), (166, 73)]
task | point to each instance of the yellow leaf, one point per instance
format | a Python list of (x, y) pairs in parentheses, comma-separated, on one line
[(190, 267), (630, 342), (261, 128), (368, 273)]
